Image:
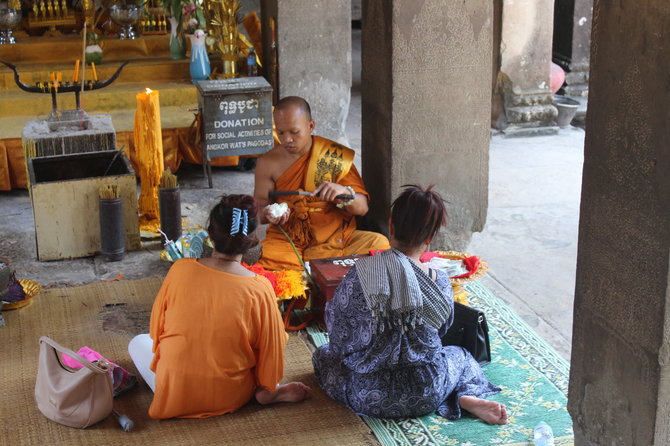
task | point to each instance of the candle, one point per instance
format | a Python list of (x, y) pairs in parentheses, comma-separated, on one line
[(95, 74), (75, 75), (149, 155)]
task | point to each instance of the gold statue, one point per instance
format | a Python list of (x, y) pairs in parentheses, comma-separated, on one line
[(222, 24)]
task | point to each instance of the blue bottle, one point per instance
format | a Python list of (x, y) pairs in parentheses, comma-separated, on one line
[(252, 66), (200, 67)]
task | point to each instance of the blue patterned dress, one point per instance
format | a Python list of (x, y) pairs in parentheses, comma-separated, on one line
[(391, 373)]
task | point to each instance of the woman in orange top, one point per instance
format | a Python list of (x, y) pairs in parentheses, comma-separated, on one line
[(216, 334)]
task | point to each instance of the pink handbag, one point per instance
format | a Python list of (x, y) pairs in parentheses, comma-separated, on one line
[(76, 398)]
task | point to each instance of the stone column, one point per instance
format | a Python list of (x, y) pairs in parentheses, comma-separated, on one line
[(525, 66), (426, 103), (314, 41), (620, 368), (572, 47), (577, 79)]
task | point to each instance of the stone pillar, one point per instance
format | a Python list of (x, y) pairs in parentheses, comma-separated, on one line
[(572, 47), (426, 103), (577, 79), (620, 368), (525, 66), (314, 41)]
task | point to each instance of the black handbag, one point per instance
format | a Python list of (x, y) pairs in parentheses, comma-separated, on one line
[(471, 332)]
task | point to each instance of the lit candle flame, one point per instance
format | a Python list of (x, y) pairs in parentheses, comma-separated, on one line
[(148, 90)]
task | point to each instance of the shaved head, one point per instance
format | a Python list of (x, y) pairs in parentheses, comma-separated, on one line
[(294, 101)]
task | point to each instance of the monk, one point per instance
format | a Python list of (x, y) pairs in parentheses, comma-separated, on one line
[(320, 224)]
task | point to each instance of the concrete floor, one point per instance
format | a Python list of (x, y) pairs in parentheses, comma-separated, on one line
[(530, 239)]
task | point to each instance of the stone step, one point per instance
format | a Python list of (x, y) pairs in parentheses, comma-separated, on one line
[(116, 97)]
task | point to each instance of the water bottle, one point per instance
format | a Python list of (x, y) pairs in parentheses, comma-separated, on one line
[(252, 66), (543, 435)]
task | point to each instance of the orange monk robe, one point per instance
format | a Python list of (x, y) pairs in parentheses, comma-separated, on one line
[(217, 337), (318, 229)]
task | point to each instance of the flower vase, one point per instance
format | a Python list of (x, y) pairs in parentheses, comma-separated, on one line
[(177, 41), (200, 67), (93, 54)]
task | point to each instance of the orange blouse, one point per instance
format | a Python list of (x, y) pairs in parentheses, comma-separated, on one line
[(216, 337)]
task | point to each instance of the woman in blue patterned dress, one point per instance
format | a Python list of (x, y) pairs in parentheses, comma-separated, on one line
[(385, 358)]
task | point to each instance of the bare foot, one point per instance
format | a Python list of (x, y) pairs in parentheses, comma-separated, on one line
[(488, 411), (285, 393)]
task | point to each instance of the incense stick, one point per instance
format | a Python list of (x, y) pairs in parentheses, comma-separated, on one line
[(108, 191), (168, 180)]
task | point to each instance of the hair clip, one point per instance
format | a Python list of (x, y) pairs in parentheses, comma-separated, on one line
[(240, 221)]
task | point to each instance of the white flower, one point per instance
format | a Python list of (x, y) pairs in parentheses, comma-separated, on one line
[(276, 210)]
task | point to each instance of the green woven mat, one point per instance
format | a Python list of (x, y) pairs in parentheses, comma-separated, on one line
[(533, 378)]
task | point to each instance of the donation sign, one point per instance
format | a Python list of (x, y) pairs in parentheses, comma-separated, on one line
[(236, 116)]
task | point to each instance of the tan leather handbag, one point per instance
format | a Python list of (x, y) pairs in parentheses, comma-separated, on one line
[(75, 398)]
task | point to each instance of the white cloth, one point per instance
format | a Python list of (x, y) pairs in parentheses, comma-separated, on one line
[(140, 352)]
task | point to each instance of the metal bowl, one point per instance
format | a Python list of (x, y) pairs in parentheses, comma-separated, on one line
[(125, 16), (9, 19)]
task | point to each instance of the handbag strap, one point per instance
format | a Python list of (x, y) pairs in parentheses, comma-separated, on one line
[(59, 348)]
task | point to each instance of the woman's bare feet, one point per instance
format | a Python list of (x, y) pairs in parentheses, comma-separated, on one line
[(285, 393), (488, 411)]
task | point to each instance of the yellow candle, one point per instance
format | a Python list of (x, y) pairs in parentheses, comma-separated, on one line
[(149, 154), (95, 74), (75, 76)]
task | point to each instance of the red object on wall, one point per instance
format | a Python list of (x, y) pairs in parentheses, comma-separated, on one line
[(556, 78)]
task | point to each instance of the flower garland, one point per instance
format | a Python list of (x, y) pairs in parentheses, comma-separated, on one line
[(287, 284)]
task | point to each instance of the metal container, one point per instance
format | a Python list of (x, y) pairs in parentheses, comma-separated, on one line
[(9, 20), (236, 118), (125, 16), (567, 108), (169, 205), (112, 232)]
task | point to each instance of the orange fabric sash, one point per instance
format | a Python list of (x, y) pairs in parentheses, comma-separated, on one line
[(329, 161)]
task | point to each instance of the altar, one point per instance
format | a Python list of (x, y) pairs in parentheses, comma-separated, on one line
[(151, 66)]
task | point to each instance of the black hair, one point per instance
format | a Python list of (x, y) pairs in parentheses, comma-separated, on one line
[(221, 221), (294, 101), (417, 214)]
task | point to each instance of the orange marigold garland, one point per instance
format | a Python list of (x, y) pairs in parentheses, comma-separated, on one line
[(290, 284), (287, 284)]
